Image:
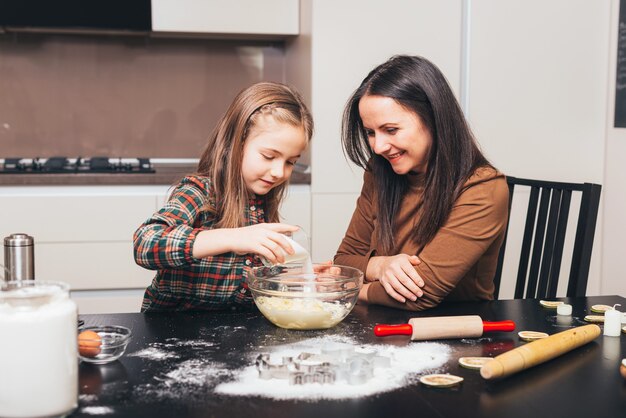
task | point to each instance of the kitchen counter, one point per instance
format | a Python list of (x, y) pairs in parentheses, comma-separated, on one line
[(175, 361), (165, 174)]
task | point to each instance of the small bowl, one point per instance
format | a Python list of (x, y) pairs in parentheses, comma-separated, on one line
[(293, 298), (111, 345)]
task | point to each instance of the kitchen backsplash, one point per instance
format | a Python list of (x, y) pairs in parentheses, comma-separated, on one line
[(121, 96)]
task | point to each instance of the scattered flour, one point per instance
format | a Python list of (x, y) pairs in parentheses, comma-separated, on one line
[(175, 342), (194, 372), (154, 353), (167, 350), (83, 397), (197, 378), (406, 363), (97, 410), (191, 379), (476, 341)]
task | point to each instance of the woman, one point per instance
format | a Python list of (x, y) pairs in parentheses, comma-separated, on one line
[(432, 211)]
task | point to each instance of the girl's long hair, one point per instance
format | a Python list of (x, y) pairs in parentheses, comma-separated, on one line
[(222, 158), (419, 86)]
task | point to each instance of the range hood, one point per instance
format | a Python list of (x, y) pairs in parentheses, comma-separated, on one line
[(76, 16)]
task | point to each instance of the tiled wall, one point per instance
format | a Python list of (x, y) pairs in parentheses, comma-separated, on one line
[(87, 95)]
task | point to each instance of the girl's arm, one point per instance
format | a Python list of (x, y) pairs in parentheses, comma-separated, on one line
[(179, 233), (265, 239), (166, 239)]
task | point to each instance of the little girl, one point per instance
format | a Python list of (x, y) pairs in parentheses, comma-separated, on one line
[(218, 222)]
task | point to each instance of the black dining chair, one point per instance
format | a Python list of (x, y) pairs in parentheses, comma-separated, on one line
[(543, 240)]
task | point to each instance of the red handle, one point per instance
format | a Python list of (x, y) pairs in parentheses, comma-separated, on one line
[(385, 330), (507, 325)]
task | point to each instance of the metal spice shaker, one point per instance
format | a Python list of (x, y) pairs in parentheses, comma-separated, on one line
[(19, 257)]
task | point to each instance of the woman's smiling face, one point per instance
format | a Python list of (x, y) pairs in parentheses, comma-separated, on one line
[(396, 134)]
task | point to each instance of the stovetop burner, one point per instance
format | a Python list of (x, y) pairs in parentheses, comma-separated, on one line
[(64, 165)]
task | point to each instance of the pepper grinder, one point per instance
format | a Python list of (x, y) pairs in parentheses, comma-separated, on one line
[(19, 257)]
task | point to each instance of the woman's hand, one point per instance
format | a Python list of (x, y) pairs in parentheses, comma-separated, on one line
[(398, 276), (264, 239)]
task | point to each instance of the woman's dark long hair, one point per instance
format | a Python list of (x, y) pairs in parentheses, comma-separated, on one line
[(419, 86)]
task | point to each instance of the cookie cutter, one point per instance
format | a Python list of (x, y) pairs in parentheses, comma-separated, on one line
[(300, 370), (335, 362)]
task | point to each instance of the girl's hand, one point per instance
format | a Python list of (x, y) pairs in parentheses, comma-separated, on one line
[(398, 276), (265, 239)]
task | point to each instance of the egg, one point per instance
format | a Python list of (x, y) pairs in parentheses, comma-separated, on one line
[(89, 343), (622, 368)]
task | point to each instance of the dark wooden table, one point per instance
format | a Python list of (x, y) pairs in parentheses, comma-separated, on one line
[(582, 383)]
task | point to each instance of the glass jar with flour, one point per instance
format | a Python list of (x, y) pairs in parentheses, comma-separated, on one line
[(38, 353)]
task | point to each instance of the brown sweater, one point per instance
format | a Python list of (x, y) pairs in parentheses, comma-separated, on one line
[(459, 263)]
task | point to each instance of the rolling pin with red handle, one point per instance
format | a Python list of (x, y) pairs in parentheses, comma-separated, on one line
[(537, 352), (442, 327)]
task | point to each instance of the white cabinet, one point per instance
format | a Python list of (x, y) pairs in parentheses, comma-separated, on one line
[(83, 236), (227, 17)]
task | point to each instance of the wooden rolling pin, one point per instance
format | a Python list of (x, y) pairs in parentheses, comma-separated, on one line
[(537, 352), (441, 327)]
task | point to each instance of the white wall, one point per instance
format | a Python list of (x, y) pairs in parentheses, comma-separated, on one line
[(537, 96), (614, 186), (534, 77), (344, 41), (538, 73)]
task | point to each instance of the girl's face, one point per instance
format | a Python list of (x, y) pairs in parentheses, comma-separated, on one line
[(396, 134), (269, 154)]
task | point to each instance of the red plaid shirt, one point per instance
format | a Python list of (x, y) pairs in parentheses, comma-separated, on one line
[(165, 241)]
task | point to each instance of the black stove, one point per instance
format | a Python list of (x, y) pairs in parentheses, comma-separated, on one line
[(64, 165)]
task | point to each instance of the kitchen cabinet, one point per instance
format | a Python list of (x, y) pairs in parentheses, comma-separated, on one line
[(83, 236), (239, 18)]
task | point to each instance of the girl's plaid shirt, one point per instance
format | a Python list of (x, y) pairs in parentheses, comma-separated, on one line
[(165, 241)]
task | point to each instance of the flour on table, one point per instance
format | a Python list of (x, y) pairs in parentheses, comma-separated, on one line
[(197, 377), (83, 397), (168, 349), (475, 341), (175, 342), (154, 353), (97, 410), (406, 363), (195, 372), (190, 379)]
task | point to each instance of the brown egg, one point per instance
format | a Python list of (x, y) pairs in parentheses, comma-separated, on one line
[(622, 368), (89, 343)]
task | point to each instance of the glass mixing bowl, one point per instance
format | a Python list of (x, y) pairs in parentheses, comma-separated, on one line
[(293, 298)]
